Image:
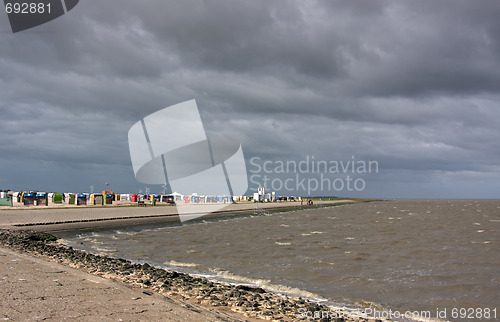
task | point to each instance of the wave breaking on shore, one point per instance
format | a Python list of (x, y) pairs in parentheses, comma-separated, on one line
[(254, 302)]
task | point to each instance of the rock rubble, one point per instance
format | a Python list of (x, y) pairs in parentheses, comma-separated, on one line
[(249, 301)]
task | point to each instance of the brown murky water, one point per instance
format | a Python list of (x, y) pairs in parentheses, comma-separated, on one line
[(403, 254)]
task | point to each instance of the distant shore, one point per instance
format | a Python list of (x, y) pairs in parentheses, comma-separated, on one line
[(103, 217)]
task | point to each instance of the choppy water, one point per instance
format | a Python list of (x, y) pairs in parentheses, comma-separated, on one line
[(404, 254)]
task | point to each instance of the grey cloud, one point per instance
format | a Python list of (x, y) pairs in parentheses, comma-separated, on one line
[(411, 84)]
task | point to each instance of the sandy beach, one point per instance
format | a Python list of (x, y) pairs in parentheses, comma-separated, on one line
[(43, 279), (36, 289)]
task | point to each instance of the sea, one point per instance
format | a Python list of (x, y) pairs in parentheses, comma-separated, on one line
[(430, 258)]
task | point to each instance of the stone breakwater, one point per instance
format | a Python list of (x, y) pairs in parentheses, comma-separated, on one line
[(249, 301)]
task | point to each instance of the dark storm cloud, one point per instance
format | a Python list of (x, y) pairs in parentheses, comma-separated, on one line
[(415, 49), (431, 51), (414, 85)]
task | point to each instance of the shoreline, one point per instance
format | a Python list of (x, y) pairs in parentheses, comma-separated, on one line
[(36, 289), (236, 300), (74, 218)]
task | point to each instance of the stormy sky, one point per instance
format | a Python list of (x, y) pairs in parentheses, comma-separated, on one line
[(413, 85)]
